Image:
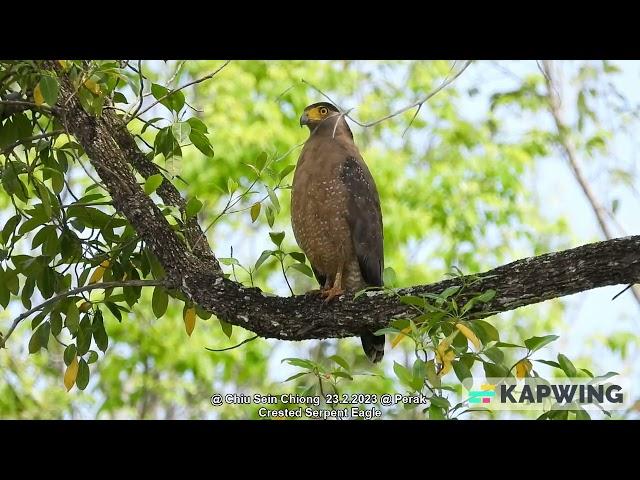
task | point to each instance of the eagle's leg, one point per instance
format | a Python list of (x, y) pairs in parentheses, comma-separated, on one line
[(336, 290)]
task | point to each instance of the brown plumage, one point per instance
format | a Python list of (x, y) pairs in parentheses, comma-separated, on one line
[(335, 212)]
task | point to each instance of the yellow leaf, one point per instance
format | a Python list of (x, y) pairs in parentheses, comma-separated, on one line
[(37, 95), (446, 363), (70, 374), (99, 272), (444, 346), (63, 64), (92, 86), (84, 307), (444, 356), (189, 320), (400, 336), (523, 367), (255, 211), (467, 332)]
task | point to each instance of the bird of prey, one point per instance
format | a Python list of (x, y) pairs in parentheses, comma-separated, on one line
[(335, 212)]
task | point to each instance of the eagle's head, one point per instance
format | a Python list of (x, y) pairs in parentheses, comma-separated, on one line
[(314, 114)]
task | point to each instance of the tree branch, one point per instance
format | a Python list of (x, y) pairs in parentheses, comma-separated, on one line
[(520, 283), (8, 148), (69, 293), (415, 104), (206, 77)]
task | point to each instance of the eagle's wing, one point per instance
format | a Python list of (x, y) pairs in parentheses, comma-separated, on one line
[(364, 217)]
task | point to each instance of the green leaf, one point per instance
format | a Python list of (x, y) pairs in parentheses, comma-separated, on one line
[(298, 256), (492, 370), (227, 328), (303, 268), (181, 131), (386, 330), (602, 378), (508, 345), (299, 362), (536, 343), (436, 413), (495, 354), (485, 331), (413, 300), (255, 211), (297, 375), (341, 374), (582, 414), (99, 333), (49, 88), (118, 97), (277, 237), (270, 216), (274, 198), (389, 276), (486, 296), (152, 183), (39, 338), (232, 185), (286, 171), (83, 339), (440, 402), (69, 354), (82, 380), (551, 363), (56, 323), (263, 257), (201, 142), (228, 261), (197, 125), (261, 160), (93, 357), (174, 101), (72, 320), (159, 301), (403, 374), (193, 207), (449, 291), (461, 370), (567, 366), (9, 228), (340, 361)]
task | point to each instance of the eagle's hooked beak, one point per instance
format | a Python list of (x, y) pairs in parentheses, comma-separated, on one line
[(304, 119)]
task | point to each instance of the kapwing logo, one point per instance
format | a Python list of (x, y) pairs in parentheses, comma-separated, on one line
[(484, 395)]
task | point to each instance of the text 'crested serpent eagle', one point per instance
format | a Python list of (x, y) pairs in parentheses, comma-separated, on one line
[(335, 212)]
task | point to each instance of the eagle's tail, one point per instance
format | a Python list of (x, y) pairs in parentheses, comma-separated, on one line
[(373, 346)]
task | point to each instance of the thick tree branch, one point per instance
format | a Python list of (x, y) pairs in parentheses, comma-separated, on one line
[(524, 282)]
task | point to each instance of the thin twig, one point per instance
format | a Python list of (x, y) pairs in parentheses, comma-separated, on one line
[(9, 148), (21, 103), (206, 77), (231, 348), (94, 286), (138, 104), (418, 103)]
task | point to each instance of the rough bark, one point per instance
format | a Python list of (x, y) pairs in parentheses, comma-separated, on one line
[(520, 283)]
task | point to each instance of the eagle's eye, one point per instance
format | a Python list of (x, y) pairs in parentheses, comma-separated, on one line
[(323, 111)]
